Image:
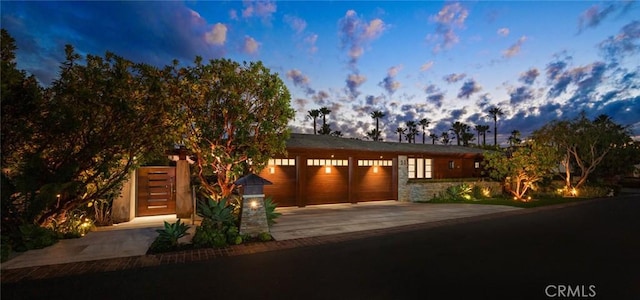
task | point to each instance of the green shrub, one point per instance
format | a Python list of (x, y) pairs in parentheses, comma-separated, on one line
[(218, 227), (209, 235), (593, 191), (168, 237), (32, 236), (74, 225), (476, 192), (270, 208), (233, 236), (265, 236)]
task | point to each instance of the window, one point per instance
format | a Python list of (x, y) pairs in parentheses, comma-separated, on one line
[(327, 162), (476, 165), (419, 168), (282, 162), (452, 164), (374, 162)]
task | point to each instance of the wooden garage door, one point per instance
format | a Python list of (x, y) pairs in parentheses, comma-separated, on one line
[(327, 185), (156, 191)]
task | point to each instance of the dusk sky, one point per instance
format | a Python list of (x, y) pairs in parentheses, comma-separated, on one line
[(444, 61)]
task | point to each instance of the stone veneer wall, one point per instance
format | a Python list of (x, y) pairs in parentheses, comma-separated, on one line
[(425, 189), (253, 220)]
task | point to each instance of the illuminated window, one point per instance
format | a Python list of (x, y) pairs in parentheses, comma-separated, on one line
[(419, 168), (374, 162), (327, 162), (476, 165), (282, 162)]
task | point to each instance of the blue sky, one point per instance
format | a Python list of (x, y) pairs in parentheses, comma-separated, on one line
[(444, 61)]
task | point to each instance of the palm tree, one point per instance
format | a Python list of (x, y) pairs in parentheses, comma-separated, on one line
[(400, 132), (478, 129), (313, 114), (445, 138), (459, 129), (374, 135), (433, 137), (326, 128), (377, 115), (424, 123), (412, 131), (483, 129), (495, 112), (514, 138), (467, 137)]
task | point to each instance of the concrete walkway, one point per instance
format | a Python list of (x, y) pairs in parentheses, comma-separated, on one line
[(133, 238)]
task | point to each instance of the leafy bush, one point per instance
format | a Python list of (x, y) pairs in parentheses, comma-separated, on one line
[(479, 192), (32, 236), (208, 235), (74, 225), (593, 191), (270, 208), (265, 236), (454, 193), (218, 227), (169, 236)]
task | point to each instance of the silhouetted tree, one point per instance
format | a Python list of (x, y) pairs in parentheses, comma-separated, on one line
[(433, 137), (326, 128), (313, 115), (445, 139), (400, 132), (466, 138), (459, 129), (424, 123), (495, 112), (411, 132), (482, 129), (377, 115), (514, 138)]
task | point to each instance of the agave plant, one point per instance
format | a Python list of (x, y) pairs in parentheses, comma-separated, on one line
[(270, 208), (219, 213), (171, 233)]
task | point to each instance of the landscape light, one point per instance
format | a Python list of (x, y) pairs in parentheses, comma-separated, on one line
[(574, 192)]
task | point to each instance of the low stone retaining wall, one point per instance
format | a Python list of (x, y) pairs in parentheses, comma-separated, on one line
[(425, 189)]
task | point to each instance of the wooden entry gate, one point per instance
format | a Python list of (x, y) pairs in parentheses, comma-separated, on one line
[(156, 191)]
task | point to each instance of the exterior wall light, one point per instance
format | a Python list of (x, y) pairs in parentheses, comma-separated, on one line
[(272, 170), (375, 169), (327, 169)]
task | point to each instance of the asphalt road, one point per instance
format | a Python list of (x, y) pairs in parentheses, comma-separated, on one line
[(591, 250)]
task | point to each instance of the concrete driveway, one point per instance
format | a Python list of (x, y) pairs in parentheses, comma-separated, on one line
[(134, 238), (319, 220)]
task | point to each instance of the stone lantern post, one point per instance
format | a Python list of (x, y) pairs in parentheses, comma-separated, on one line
[(253, 216)]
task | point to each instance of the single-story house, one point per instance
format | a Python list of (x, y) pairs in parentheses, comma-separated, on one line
[(318, 169)]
